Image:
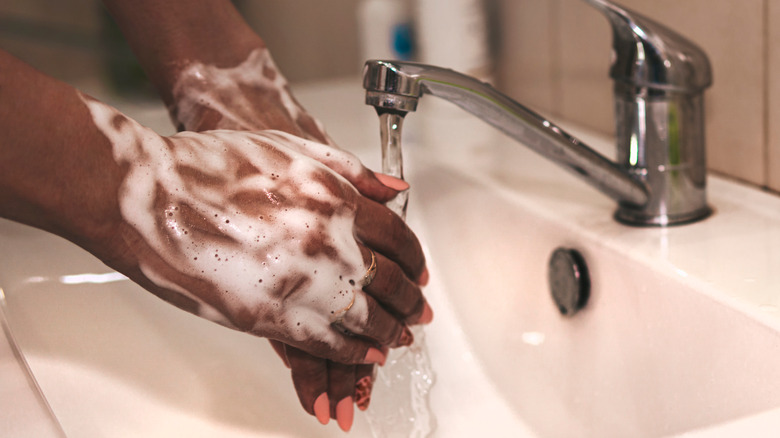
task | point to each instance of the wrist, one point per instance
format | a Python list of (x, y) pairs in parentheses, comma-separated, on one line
[(168, 36), (166, 72), (249, 95), (57, 172)]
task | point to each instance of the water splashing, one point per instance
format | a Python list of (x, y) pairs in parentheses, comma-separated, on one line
[(400, 405)]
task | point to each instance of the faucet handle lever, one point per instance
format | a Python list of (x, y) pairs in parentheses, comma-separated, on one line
[(648, 54)]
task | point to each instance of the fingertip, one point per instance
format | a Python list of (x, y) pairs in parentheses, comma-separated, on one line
[(392, 182), (345, 414), (322, 408), (363, 392), (406, 338), (374, 355)]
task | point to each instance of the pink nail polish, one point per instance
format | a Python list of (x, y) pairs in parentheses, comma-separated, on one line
[(345, 413), (392, 182), (406, 338), (322, 408), (375, 356), (363, 392)]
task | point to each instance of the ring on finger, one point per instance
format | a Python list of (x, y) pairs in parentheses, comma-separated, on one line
[(371, 271), (338, 316)]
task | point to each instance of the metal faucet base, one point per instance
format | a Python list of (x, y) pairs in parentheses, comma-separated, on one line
[(629, 216)]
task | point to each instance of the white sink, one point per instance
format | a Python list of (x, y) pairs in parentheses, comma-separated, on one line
[(680, 336), (656, 352)]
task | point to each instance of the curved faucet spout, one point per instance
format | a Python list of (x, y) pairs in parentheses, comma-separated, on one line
[(397, 86)]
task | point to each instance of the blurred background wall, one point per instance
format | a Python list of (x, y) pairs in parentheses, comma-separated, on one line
[(310, 39), (59, 37), (67, 38), (556, 56), (552, 55)]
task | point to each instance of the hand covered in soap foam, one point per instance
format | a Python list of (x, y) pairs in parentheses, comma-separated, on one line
[(247, 230), (251, 96), (254, 95), (181, 225)]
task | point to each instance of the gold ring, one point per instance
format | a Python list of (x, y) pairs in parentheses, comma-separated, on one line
[(371, 271), (338, 317), (368, 277)]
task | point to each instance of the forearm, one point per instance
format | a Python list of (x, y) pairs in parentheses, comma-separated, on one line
[(56, 169), (168, 35)]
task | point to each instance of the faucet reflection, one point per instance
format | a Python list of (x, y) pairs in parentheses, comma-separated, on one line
[(659, 81)]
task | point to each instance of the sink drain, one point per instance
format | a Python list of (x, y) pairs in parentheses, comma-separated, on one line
[(569, 280)]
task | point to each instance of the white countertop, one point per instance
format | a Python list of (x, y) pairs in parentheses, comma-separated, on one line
[(733, 257)]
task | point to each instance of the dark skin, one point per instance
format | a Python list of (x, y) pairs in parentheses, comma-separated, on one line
[(64, 179)]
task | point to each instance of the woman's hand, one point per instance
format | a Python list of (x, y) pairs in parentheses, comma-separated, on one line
[(247, 230), (254, 95), (328, 389), (156, 209), (222, 77), (180, 226)]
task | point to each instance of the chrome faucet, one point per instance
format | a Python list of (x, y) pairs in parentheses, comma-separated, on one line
[(659, 81)]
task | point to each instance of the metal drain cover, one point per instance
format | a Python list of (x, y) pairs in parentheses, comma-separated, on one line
[(569, 280)]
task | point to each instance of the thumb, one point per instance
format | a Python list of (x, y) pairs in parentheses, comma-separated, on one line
[(379, 186)]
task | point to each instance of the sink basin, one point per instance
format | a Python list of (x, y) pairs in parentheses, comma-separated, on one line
[(655, 352), (680, 335)]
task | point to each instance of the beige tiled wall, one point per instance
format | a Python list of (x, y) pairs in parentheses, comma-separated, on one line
[(528, 59), (77, 15), (742, 112), (59, 37), (554, 57), (773, 94), (310, 39)]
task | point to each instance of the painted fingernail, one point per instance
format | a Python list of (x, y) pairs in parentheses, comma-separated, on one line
[(427, 314), (392, 182), (424, 278), (406, 338), (322, 408), (345, 413), (363, 392), (375, 356)]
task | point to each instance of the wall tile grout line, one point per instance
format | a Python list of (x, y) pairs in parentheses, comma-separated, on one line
[(556, 48), (766, 97)]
